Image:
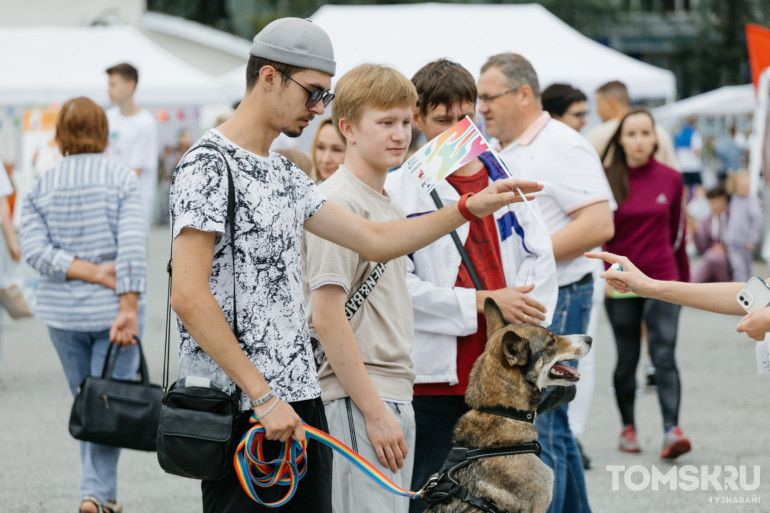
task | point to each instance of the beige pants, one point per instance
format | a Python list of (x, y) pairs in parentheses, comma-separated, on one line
[(352, 490)]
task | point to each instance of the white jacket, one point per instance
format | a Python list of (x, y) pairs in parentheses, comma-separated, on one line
[(443, 312)]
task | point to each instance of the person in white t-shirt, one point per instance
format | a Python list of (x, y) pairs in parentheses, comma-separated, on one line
[(133, 139)]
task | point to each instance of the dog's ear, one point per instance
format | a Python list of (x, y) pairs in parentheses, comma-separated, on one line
[(494, 315), (514, 349)]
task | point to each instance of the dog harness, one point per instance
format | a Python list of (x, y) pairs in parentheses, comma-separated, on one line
[(443, 487)]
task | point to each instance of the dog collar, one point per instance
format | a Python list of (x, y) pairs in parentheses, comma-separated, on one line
[(511, 413)]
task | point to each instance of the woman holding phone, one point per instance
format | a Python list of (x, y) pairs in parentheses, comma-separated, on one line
[(717, 297), (649, 228)]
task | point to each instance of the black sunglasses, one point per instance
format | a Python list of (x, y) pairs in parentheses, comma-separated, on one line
[(313, 97)]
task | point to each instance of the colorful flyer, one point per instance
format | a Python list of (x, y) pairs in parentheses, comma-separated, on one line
[(446, 154)]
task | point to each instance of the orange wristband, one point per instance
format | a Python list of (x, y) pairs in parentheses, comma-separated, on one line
[(461, 205)]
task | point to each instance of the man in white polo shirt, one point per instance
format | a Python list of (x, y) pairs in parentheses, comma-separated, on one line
[(577, 204)]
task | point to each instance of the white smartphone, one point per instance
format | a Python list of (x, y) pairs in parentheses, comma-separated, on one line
[(754, 295)]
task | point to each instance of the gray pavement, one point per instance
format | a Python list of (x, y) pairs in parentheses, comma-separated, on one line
[(724, 411)]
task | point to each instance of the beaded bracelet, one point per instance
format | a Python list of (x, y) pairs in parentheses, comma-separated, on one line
[(261, 415), (262, 400)]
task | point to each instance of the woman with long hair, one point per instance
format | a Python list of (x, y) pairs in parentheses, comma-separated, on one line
[(649, 229), (83, 229), (328, 150)]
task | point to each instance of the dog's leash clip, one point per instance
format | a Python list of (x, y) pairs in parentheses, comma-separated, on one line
[(429, 485)]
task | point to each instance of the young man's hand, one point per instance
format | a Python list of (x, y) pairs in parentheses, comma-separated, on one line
[(501, 193), (387, 438), (515, 303), (282, 422), (630, 279), (756, 324)]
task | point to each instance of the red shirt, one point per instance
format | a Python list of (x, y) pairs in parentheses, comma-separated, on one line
[(483, 249)]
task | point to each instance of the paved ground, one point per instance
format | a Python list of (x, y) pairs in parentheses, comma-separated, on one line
[(724, 411)]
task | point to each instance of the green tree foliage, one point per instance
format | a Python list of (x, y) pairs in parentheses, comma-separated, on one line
[(718, 55)]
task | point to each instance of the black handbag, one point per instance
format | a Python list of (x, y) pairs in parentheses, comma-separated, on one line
[(117, 412), (197, 431)]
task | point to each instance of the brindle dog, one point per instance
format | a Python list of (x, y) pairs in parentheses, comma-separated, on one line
[(519, 361)]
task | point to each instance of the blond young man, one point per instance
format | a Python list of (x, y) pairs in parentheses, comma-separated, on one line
[(366, 378)]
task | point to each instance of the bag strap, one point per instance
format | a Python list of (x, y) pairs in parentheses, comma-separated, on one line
[(112, 358), (358, 298), (230, 219), (463, 254)]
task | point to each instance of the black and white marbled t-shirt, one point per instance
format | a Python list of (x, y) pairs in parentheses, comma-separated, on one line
[(273, 199)]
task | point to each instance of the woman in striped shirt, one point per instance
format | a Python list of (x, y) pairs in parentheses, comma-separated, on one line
[(83, 229)]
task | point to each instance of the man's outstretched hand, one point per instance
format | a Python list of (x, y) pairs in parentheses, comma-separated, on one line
[(501, 193)]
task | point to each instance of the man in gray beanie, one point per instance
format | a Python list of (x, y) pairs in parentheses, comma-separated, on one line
[(288, 76)]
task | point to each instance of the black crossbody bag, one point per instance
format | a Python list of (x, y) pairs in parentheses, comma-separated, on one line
[(197, 431)]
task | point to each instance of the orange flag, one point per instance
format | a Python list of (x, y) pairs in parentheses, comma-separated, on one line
[(758, 42)]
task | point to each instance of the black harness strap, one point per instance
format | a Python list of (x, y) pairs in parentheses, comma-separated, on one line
[(444, 487)]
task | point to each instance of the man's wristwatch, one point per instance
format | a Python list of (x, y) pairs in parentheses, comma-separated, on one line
[(262, 400)]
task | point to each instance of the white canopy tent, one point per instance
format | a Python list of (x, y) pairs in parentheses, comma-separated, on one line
[(409, 36), (53, 64), (725, 101)]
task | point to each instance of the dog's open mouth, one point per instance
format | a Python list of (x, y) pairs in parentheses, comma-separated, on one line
[(563, 370)]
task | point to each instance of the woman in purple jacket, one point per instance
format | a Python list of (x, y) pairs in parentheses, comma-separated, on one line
[(649, 229)]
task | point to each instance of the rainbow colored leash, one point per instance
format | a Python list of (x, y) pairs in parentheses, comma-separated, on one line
[(291, 464)]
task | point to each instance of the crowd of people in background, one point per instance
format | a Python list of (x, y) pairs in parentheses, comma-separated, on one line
[(391, 378)]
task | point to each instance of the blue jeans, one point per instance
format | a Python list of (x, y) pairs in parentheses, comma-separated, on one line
[(560, 451), (82, 354)]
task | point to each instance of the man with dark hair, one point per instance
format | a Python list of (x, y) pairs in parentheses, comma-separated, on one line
[(566, 104), (126, 71), (612, 103), (509, 252), (576, 204), (270, 357), (133, 137)]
